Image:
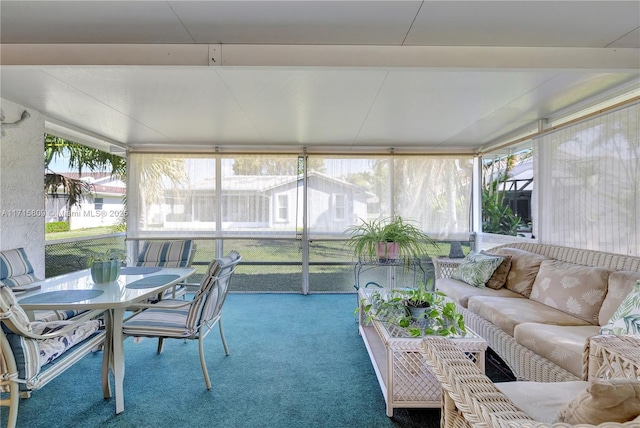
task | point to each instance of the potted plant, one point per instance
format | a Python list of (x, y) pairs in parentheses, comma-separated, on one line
[(421, 310), (105, 267), (394, 238)]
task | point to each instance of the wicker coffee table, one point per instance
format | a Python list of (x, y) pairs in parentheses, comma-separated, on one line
[(403, 374)]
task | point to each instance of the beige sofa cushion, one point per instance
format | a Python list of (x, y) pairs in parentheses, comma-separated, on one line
[(524, 268), (506, 312), (560, 344), (619, 286), (542, 400), (461, 291), (575, 289)]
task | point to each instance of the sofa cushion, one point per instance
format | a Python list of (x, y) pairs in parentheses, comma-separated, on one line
[(499, 277), (560, 344), (542, 400), (613, 400), (460, 291), (524, 268), (626, 319), (619, 286), (575, 289), (506, 312), (476, 269)]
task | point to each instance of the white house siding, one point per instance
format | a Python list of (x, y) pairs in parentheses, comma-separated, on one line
[(86, 215), (22, 209)]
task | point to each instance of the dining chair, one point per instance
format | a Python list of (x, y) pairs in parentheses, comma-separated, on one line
[(34, 353), (16, 272), (194, 319), (173, 253)]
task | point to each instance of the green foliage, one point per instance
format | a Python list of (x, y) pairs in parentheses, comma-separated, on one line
[(440, 316), (111, 254), (412, 242), (497, 216), (273, 166), (81, 157), (56, 226)]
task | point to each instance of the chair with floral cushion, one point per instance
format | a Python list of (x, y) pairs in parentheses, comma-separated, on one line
[(16, 272), (179, 319), (34, 353)]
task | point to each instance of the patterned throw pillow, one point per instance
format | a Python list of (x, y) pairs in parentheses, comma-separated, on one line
[(499, 277), (626, 320), (476, 269)]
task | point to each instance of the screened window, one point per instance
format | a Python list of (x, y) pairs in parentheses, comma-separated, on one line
[(589, 183)]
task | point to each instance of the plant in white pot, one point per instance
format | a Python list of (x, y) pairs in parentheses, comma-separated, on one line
[(106, 267), (421, 310), (393, 238)]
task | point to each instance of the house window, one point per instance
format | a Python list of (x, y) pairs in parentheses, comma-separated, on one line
[(283, 207), (339, 206), (98, 203)]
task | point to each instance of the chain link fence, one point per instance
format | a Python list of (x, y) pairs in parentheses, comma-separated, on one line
[(70, 255)]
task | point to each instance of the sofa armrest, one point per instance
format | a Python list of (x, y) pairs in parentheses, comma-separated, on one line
[(444, 266), (610, 356)]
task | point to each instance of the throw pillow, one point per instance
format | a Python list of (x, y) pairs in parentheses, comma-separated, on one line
[(524, 268), (613, 400), (476, 269), (626, 319), (619, 285), (572, 288), (499, 277)]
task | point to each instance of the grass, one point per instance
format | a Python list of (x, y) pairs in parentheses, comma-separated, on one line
[(79, 233), (269, 265)]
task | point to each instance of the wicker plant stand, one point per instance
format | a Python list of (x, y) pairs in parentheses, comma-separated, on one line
[(405, 378)]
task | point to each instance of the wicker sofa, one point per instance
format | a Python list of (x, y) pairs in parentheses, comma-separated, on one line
[(523, 323), (471, 399)]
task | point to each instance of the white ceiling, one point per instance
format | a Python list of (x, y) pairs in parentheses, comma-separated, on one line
[(327, 75)]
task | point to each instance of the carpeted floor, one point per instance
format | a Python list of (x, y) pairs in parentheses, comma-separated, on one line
[(296, 361)]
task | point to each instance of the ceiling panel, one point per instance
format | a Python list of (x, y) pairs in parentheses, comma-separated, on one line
[(90, 22), (184, 104), (431, 107), (298, 22), (305, 106), (524, 23)]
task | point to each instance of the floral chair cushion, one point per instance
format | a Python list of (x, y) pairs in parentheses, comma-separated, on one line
[(626, 320), (52, 348)]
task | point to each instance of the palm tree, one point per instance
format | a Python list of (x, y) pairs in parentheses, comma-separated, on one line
[(80, 157)]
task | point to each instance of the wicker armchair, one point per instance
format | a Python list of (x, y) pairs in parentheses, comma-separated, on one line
[(470, 399)]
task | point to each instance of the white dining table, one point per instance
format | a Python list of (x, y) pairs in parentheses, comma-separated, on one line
[(78, 291)]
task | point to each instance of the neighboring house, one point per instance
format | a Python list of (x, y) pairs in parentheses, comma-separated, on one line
[(104, 207), (266, 203)]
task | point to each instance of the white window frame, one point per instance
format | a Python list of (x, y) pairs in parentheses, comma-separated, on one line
[(336, 206), (282, 204)]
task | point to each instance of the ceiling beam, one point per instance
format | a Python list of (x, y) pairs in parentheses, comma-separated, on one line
[(605, 59)]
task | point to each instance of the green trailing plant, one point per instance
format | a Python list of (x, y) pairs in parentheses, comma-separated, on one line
[(411, 242), (439, 316)]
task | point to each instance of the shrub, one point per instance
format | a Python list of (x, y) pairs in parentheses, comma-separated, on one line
[(56, 226)]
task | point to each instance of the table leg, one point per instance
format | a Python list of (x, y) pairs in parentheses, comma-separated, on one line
[(107, 354), (118, 357)]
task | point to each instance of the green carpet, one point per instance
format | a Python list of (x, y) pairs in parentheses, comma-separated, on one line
[(296, 361)]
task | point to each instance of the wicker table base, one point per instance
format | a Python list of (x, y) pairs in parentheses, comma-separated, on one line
[(405, 378)]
